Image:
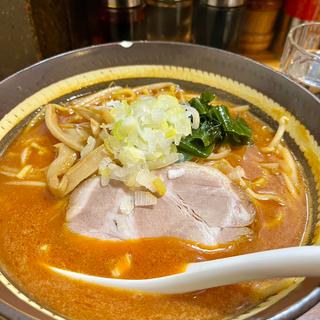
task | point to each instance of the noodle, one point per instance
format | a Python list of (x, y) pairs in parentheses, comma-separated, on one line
[(223, 165), (124, 94), (95, 127), (195, 116), (24, 171), (81, 132), (264, 196), (95, 98), (75, 118), (27, 183), (239, 109), (37, 118), (289, 184), (223, 152), (9, 169), (158, 88), (41, 150), (288, 164), (271, 166), (236, 174), (7, 173), (25, 154), (278, 136), (64, 109), (260, 182), (67, 125), (155, 86)]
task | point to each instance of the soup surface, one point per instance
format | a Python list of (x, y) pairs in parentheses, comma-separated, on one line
[(33, 234)]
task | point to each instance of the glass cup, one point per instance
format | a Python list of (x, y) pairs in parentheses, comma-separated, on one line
[(301, 56)]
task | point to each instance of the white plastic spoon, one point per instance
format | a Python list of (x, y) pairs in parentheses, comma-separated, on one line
[(287, 262)]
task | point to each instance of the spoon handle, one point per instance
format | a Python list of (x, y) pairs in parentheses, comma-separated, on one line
[(287, 262)]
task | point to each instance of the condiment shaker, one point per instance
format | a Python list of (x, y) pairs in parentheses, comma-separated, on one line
[(169, 20), (258, 30), (217, 23), (122, 20)]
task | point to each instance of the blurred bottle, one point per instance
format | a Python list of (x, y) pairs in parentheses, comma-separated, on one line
[(169, 20), (77, 17), (217, 23), (258, 31), (295, 12), (118, 20)]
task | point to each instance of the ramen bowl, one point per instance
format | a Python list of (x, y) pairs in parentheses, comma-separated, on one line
[(241, 81)]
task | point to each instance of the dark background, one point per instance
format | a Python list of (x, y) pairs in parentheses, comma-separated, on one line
[(32, 30)]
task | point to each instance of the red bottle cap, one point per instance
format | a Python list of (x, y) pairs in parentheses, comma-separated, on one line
[(302, 9)]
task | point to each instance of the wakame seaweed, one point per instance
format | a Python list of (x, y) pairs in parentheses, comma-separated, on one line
[(216, 126)]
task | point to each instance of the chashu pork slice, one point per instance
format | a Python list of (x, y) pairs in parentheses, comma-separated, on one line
[(201, 205)]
